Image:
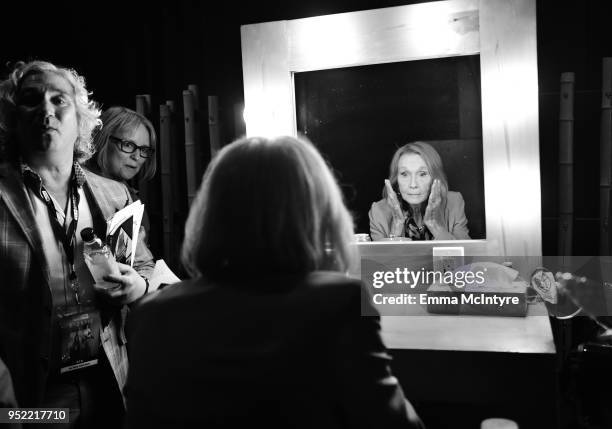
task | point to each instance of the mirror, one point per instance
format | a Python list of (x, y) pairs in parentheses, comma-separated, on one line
[(359, 116), (501, 33)]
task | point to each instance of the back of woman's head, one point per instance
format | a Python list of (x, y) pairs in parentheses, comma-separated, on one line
[(267, 206)]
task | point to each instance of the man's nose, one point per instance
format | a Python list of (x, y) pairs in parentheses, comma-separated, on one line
[(47, 111)]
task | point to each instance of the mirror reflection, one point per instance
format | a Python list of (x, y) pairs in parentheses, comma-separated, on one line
[(360, 117)]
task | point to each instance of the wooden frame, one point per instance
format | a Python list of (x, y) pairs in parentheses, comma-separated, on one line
[(503, 32)]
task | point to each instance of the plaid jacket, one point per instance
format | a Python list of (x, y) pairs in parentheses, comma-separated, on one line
[(26, 309)]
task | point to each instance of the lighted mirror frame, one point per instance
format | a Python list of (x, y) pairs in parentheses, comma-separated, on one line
[(503, 32)]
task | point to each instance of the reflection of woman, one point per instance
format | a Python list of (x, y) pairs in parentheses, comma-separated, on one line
[(125, 148), (272, 326), (416, 202)]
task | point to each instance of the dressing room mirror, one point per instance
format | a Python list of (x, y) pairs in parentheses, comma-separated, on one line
[(459, 74), (359, 116)]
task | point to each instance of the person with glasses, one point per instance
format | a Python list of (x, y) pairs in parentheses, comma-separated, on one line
[(125, 149)]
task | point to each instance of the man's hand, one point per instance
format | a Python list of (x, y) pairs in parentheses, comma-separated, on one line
[(130, 286)]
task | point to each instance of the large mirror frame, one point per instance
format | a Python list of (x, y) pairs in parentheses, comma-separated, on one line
[(503, 32)]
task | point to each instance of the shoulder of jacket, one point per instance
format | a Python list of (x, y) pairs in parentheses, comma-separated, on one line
[(380, 206), (98, 180), (104, 187), (454, 197)]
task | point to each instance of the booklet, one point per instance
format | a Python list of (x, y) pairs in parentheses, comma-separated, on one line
[(122, 237), (122, 232)]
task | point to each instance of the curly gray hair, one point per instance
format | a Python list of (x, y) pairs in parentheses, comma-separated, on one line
[(88, 112)]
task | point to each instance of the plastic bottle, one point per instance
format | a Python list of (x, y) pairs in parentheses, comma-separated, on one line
[(99, 259)]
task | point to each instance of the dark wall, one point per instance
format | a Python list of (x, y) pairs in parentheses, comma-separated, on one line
[(125, 49), (573, 36)]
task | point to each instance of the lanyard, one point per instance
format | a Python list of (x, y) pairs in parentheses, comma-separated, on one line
[(66, 237)]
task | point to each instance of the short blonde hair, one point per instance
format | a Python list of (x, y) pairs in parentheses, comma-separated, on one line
[(432, 161), (115, 119), (87, 110), (266, 206)]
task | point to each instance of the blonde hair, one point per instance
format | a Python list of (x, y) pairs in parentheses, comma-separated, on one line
[(432, 160), (115, 119), (87, 110), (267, 205)]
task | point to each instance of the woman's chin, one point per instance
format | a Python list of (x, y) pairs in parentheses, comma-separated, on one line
[(413, 200), (126, 177), (128, 174)]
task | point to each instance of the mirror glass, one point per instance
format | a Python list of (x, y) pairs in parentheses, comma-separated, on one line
[(359, 116)]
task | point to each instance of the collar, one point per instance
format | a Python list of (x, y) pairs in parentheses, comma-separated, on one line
[(34, 181)]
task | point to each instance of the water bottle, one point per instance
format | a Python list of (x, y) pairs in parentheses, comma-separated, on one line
[(99, 259)]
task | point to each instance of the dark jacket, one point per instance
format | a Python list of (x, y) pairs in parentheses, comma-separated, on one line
[(230, 355)]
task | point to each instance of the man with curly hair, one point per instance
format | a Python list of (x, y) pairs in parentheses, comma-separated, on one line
[(46, 199)]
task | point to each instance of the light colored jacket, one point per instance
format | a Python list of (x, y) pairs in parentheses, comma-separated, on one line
[(454, 219), (26, 307)]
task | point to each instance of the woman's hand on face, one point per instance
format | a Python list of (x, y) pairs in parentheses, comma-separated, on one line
[(130, 285), (396, 208), (432, 212)]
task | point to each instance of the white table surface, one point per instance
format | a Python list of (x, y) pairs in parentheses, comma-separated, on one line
[(530, 334)]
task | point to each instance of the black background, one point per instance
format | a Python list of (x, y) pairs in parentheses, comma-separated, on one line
[(132, 48)]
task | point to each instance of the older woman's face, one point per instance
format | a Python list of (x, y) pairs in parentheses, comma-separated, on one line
[(123, 165), (46, 114), (414, 178)]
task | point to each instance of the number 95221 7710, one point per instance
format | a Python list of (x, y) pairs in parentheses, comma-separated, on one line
[(34, 415)]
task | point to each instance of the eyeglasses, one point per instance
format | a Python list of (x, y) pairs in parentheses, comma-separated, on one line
[(130, 147)]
